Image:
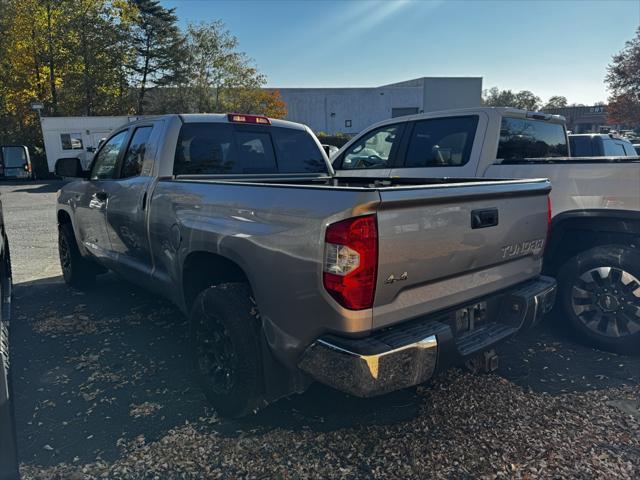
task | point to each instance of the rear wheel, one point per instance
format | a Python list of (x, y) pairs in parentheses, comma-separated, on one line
[(77, 271), (600, 294), (226, 349)]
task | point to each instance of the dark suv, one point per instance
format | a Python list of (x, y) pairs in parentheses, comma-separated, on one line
[(600, 145)]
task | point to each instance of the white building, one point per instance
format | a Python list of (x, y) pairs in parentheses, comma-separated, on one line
[(329, 110), (350, 110), (66, 137)]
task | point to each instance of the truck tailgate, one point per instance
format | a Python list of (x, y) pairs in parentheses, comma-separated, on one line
[(443, 245)]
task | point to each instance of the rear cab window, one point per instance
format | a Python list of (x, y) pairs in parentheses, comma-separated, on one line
[(521, 139), (582, 146), (225, 148)]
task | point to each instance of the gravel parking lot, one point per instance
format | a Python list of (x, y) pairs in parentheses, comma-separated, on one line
[(103, 391)]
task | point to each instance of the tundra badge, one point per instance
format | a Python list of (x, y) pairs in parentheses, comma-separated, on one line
[(523, 248)]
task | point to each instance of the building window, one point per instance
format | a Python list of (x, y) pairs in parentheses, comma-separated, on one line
[(347, 123), (71, 141)]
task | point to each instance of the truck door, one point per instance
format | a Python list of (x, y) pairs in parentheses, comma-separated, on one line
[(91, 204), (127, 206)]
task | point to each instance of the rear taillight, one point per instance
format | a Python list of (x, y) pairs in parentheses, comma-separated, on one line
[(351, 261)]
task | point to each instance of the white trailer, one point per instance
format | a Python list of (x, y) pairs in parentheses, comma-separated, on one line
[(76, 136)]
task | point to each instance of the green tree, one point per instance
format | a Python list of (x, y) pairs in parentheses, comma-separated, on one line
[(527, 100), (557, 101), (623, 82), (159, 46), (97, 41), (494, 97), (216, 66)]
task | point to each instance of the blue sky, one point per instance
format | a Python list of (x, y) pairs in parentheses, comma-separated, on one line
[(548, 47)]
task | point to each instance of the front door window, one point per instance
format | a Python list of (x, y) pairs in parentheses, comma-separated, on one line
[(104, 166)]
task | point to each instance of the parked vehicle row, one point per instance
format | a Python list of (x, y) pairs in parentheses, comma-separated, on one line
[(601, 145), (593, 244), (290, 273)]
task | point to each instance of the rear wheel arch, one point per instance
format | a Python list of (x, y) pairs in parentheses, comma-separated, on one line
[(203, 269), (574, 232)]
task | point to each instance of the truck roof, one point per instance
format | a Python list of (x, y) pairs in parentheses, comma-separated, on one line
[(216, 118), (489, 111)]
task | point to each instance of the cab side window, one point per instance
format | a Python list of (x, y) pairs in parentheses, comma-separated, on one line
[(104, 165), (441, 142), (132, 163), (373, 150)]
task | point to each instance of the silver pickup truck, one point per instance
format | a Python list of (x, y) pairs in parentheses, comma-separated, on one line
[(594, 247), (289, 274)]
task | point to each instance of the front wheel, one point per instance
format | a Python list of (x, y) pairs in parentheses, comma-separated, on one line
[(600, 294), (226, 358)]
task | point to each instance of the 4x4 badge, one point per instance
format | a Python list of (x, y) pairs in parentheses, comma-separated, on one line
[(392, 278)]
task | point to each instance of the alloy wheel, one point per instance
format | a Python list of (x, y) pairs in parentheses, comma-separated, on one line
[(607, 301)]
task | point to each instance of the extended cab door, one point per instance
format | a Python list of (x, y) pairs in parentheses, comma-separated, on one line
[(127, 206), (91, 203), (442, 147)]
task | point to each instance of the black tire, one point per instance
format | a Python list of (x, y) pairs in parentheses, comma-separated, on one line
[(599, 292), (226, 358), (77, 271)]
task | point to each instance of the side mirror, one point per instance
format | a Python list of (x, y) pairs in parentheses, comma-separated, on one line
[(70, 167)]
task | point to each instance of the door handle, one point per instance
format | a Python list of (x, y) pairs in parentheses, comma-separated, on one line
[(102, 196), (484, 218)]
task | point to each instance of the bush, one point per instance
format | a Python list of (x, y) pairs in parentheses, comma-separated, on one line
[(339, 139)]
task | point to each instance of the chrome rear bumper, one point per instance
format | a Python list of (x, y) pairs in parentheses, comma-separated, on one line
[(374, 374), (409, 353)]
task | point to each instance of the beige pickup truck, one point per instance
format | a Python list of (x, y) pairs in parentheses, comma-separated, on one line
[(594, 241), (289, 274)]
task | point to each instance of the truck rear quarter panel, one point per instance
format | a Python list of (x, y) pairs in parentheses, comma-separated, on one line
[(275, 235)]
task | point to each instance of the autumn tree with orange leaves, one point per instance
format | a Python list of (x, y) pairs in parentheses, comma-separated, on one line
[(623, 81)]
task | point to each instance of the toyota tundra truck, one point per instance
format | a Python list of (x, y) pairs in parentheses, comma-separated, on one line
[(289, 274), (594, 247)]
